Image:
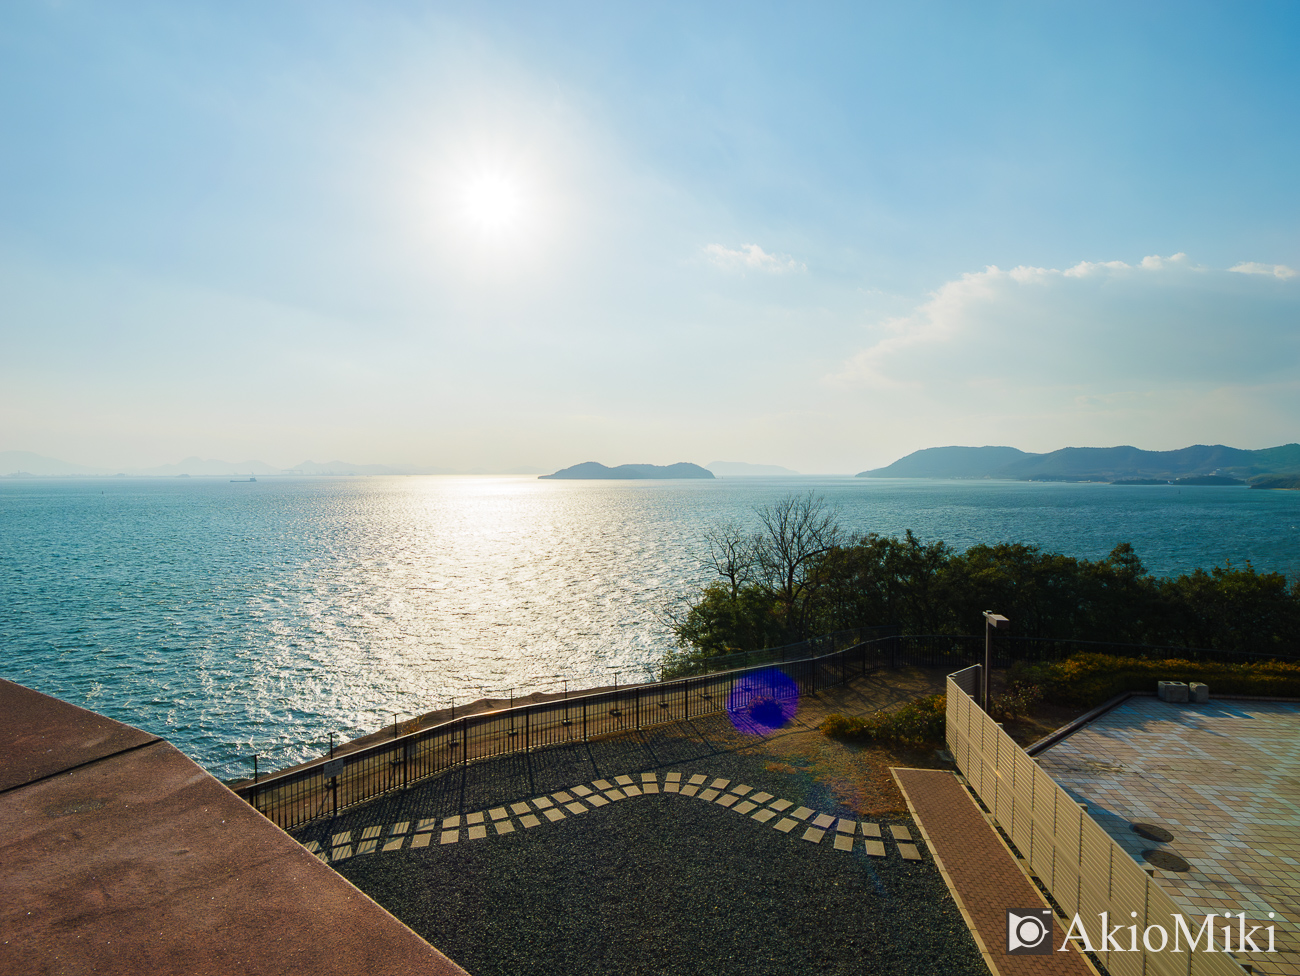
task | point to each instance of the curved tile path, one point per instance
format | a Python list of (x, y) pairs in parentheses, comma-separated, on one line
[(761, 807)]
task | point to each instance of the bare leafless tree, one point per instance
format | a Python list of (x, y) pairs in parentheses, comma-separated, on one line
[(796, 530), (733, 554)]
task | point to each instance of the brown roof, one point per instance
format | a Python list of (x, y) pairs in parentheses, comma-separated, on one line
[(119, 855)]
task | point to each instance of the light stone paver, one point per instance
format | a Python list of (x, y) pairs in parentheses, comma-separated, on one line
[(709, 795), (697, 780), (871, 830), (370, 833), (311, 846), (542, 802), (876, 848), (477, 832), (323, 855), (519, 809), (596, 800), (553, 815), (843, 842), (451, 822), (649, 788), (401, 828), (900, 832), (814, 835), (742, 789), (909, 852), (690, 790), (803, 813), (562, 797), (428, 823), (728, 800), (846, 826), (341, 838), (673, 777), (581, 790), (632, 790), (498, 813), (367, 847), (474, 818), (623, 780), (421, 840), (781, 806), (672, 786), (745, 806), (603, 785), (575, 808), (1222, 778), (615, 795), (720, 784), (761, 797), (763, 816), (449, 837), (649, 778), (823, 821), (786, 825), (504, 827), (340, 853), (528, 820)]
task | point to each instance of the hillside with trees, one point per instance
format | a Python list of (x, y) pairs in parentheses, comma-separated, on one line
[(801, 576)]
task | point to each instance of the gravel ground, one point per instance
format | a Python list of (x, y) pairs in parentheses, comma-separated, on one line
[(657, 884)]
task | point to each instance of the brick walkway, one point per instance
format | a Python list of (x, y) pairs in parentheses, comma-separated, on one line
[(980, 871)]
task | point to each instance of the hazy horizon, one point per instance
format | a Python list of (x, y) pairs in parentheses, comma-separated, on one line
[(515, 237)]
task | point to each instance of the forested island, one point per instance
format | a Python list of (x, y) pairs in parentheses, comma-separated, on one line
[(595, 471), (801, 576), (1274, 467)]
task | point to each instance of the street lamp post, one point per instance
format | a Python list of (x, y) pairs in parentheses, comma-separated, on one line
[(992, 621)]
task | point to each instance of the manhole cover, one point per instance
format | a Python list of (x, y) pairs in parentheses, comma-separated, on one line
[(1166, 860), (1152, 832)]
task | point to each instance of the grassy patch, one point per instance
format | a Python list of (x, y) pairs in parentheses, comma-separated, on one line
[(917, 724)]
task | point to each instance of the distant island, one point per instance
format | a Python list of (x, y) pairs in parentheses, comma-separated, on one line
[(595, 471), (1274, 467)]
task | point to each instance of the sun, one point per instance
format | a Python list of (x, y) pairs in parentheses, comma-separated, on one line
[(493, 204)]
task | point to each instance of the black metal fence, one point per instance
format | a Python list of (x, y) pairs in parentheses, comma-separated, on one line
[(325, 787)]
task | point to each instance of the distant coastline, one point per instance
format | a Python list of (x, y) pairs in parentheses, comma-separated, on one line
[(1196, 466)]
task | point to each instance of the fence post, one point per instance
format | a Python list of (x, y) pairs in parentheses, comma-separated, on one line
[(527, 713), (638, 707), (584, 719), (464, 741)]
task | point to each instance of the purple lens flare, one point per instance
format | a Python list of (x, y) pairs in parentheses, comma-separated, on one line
[(763, 702)]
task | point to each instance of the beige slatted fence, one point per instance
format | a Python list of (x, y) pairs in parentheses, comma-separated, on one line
[(1078, 862)]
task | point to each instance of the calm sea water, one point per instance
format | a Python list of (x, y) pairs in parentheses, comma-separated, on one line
[(236, 619)]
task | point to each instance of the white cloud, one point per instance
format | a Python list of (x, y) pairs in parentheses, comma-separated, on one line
[(1158, 352), (751, 257), (1255, 268)]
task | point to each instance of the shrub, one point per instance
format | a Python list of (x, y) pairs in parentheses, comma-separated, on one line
[(918, 723), (1090, 679)]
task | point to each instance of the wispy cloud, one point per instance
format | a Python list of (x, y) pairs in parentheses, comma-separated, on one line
[(1255, 268), (1099, 352), (751, 257)]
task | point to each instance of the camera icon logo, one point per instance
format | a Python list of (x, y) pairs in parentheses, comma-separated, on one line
[(1029, 933)]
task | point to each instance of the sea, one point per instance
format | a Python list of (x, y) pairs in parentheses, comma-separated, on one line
[(242, 619)]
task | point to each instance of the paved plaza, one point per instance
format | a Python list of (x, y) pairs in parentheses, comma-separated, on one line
[(1224, 779)]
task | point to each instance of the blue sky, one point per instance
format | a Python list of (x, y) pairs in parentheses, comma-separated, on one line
[(532, 235)]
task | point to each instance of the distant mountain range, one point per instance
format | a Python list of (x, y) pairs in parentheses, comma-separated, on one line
[(595, 471), (25, 463), (742, 469), (1099, 464)]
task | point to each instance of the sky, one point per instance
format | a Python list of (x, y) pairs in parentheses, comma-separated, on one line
[(504, 236)]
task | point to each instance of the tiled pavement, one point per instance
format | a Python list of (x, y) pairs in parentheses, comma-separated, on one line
[(762, 807), (1224, 778), (980, 871)]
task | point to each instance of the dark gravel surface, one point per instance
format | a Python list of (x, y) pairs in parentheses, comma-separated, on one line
[(655, 884)]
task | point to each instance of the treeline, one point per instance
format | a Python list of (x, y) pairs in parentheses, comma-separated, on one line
[(800, 575)]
